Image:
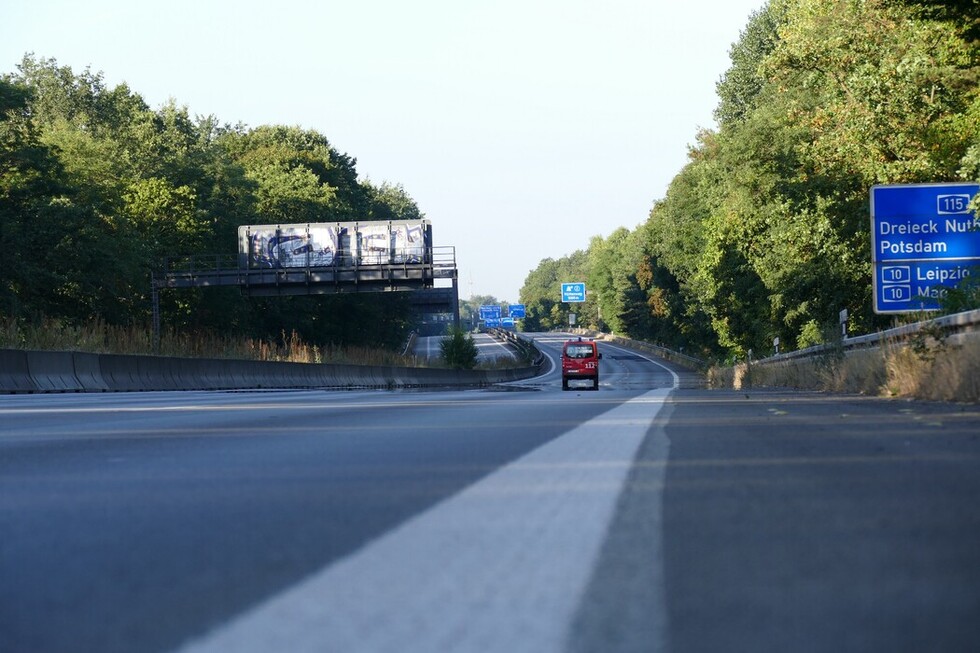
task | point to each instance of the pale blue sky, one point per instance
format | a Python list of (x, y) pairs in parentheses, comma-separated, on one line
[(521, 127)]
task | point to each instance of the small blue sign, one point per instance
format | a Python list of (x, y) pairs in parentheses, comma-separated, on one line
[(924, 240), (573, 292), (508, 323), (492, 323), (518, 311)]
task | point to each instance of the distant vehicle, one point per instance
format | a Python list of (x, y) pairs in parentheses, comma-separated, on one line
[(580, 361)]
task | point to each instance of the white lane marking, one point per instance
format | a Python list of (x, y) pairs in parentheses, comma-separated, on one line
[(484, 341), (673, 374), (501, 566)]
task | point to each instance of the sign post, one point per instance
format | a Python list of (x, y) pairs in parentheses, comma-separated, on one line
[(924, 240)]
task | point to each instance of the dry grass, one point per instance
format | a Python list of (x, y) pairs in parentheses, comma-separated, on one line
[(930, 369), (101, 338)]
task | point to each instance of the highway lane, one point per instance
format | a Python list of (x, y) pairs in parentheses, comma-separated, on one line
[(651, 515), (807, 522), (488, 348), (137, 521)]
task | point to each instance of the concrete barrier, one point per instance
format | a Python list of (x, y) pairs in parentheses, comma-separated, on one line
[(157, 372), (43, 371), (88, 371), (121, 372), (53, 371), (15, 376)]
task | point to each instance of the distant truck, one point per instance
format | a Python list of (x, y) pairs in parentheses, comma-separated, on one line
[(335, 244), (580, 361)]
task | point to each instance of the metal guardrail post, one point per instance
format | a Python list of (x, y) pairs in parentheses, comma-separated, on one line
[(155, 298), (950, 324)]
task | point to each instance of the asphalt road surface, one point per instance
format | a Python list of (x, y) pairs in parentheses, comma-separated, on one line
[(652, 515), (487, 347)]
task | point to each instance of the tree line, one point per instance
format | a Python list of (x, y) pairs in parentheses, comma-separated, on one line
[(765, 231), (97, 188)]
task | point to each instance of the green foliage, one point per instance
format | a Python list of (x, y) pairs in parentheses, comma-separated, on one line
[(541, 294), (96, 189), (459, 349), (739, 89), (764, 232), (469, 309), (391, 202), (964, 296)]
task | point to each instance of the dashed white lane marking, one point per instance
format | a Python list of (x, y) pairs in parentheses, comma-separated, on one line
[(501, 566)]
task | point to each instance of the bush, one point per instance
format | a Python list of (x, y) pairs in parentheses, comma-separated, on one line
[(458, 349)]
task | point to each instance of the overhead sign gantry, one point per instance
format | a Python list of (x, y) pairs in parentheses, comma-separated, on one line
[(324, 259)]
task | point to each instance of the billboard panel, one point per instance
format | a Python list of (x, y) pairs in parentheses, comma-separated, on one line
[(339, 244), (374, 243), (408, 241), (324, 244)]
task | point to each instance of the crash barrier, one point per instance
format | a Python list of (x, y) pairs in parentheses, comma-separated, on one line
[(955, 329), (410, 344), (59, 371), (525, 346)]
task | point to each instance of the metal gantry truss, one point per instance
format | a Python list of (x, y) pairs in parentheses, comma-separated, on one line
[(216, 271)]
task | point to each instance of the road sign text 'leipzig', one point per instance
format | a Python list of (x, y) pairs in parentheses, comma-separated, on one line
[(924, 240)]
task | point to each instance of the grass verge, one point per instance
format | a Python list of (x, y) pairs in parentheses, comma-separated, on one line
[(926, 368), (99, 337), (102, 338)]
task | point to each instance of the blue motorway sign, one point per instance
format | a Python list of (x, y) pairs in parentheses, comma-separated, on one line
[(507, 322), (518, 311), (924, 239), (488, 312), (573, 292), (492, 323)]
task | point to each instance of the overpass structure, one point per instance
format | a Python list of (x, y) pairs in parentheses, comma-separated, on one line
[(342, 276)]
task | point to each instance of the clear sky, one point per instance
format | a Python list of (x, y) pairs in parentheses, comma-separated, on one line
[(522, 128)]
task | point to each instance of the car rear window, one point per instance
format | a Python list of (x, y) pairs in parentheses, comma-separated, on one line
[(579, 351)]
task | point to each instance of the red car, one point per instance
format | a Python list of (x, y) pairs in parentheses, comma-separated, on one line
[(580, 360)]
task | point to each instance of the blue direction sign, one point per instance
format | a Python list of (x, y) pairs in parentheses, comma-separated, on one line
[(924, 239), (488, 312), (517, 311), (492, 323), (573, 292), (507, 322)]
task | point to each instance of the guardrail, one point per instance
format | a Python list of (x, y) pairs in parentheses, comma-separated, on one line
[(30, 371), (959, 324), (525, 346), (410, 343)]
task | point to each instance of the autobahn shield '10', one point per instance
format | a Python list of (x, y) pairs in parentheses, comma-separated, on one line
[(924, 240)]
